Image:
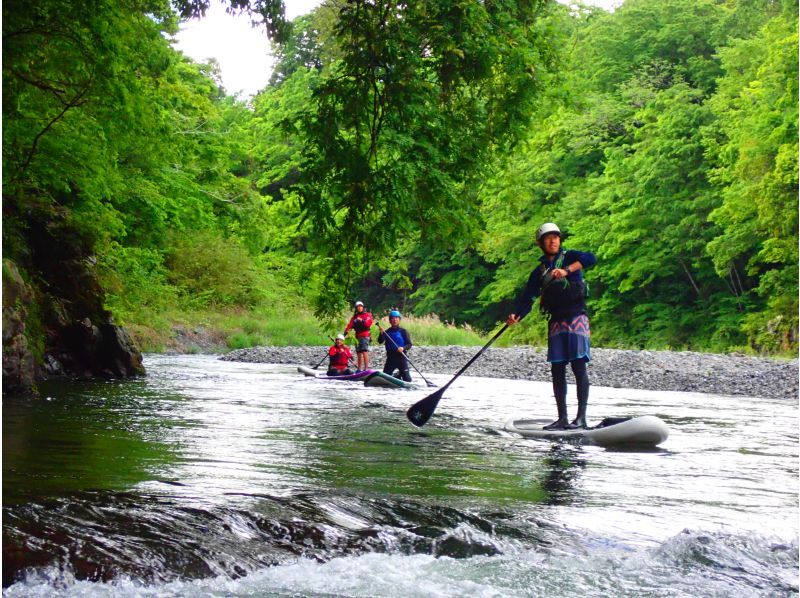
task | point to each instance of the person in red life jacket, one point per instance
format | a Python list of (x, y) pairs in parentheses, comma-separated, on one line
[(361, 323), (339, 356), (558, 281), (398, 342)]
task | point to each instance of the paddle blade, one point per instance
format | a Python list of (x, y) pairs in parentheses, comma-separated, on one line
[(420, 412)]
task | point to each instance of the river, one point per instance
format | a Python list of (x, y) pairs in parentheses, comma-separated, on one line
[(213, 478)]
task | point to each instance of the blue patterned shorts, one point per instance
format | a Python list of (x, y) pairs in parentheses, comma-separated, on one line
[(568, 340)]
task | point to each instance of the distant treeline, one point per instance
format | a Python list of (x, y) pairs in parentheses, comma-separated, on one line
[(404, 154)]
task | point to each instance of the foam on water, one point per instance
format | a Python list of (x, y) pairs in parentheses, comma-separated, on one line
[(690, 564)]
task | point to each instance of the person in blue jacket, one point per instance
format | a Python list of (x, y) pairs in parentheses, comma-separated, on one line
[(558, 281), (398, 342)]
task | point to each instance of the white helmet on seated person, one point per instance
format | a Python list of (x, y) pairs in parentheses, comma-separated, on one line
[(340, 337), (547, 227)]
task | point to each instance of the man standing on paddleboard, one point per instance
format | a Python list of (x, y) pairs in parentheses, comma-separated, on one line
[(558, 280)]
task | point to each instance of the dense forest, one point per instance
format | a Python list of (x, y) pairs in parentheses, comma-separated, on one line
[(404, 154)]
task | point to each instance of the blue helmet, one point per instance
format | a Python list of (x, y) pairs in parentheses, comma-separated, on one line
[(395, 314)]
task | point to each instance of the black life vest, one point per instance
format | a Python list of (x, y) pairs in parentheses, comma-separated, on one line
[(563, 295)]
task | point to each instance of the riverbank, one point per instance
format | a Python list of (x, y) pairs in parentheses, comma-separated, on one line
[(686, 371)]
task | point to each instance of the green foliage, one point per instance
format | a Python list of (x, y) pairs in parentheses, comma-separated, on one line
[(681, 175), (278, 325), (653, 257), (755, 146), (211, 271), (449, 285), (422, 94), (311, 47), (136, 282), (430, 330), (675, 38), (404, 155), (73, 105)]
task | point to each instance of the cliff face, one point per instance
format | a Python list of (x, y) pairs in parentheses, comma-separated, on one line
[(18, 361), (54, 323)]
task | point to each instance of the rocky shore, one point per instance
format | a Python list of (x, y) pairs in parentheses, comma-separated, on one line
[(688, 371)]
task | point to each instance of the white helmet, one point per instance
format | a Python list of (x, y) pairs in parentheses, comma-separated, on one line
[(358, 303), (340, 337), (547, 227)]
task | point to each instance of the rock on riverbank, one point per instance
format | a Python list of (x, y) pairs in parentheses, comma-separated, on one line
[(648, 370)]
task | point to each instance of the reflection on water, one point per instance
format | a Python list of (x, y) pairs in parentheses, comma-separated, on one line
[(219, 478), (82, 435), (562, 465)]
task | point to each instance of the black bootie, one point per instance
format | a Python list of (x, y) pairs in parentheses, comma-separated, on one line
[(561, 423), (580, 421)]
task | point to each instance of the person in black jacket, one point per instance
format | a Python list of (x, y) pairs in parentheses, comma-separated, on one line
[(558, 280), (397, 342)]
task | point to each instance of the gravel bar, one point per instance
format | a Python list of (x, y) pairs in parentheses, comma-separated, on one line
[(731, 374)]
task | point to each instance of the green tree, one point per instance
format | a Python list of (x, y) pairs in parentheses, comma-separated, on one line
[(648, 223), (754, 144), (73, 106), (678, 37), (638, 164), (413, 109)]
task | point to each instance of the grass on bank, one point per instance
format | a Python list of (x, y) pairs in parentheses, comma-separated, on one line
[(237, 328)]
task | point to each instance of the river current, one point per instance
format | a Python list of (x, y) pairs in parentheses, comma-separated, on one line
[(215, 478)]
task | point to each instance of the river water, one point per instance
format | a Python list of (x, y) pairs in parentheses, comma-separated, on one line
[(213, 478)]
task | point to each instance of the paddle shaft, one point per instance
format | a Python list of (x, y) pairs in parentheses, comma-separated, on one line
[(478, 354), (404, 355), (349, 359), (421, 411), (320, 363)]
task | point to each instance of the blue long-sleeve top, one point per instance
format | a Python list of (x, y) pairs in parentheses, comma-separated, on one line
[(396, 337), (533, 288)]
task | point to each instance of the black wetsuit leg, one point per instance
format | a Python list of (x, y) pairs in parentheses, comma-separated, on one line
[(582, 383), (581, 379), (397, 361), (559, 372)]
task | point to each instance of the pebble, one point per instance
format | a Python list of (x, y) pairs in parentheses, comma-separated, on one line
[(687, 371)]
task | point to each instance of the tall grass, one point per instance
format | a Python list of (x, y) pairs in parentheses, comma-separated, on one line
[(243, 328), (430, 330), (266, 325), (298, 328)]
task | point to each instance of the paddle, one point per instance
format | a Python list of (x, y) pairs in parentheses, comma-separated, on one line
[(320, 363), (420, 412), (431, 384), (349, 359), (326, 356)]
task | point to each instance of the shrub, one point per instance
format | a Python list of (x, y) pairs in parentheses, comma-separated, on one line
[(211, 270), (136, 283)]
